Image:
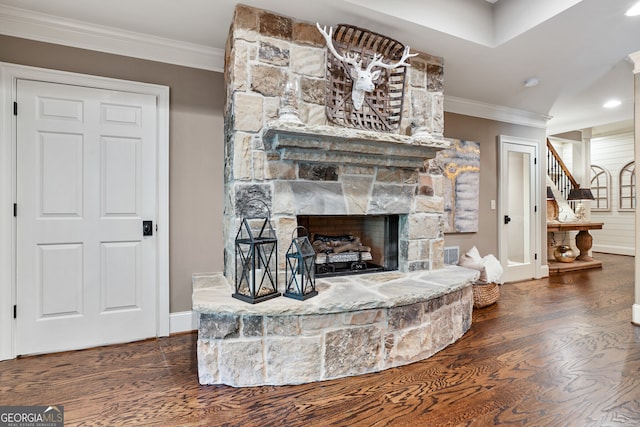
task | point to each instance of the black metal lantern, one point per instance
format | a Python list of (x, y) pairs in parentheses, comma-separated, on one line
[(301, 268), (256, 260)]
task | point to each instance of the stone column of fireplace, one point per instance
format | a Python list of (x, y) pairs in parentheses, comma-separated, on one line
[(318, 168)]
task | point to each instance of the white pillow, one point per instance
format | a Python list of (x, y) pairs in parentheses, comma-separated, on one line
[(474, 255), (494, 269), (467, 262)]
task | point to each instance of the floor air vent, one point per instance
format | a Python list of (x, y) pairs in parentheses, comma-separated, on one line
[(451, 255)]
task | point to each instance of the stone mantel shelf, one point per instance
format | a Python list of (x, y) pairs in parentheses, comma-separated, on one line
[(212, 293), (339, 144)]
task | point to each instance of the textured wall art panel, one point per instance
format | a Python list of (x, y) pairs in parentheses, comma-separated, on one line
[(460, 166)]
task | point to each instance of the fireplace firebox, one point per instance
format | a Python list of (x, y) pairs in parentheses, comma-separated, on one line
[(352, 244)]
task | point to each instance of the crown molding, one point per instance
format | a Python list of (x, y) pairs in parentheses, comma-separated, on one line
[(635, 60), (31, 25), (482, 110), (26, 24), (614, 136)]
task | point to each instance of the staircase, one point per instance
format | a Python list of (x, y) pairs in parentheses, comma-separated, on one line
[(560, 174)]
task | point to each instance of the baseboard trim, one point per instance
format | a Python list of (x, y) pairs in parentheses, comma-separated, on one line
[(635, 314), (616, 250), (544, 271), (183, 321)]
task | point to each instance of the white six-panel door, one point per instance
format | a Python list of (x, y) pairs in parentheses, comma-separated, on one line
[(86, 179)]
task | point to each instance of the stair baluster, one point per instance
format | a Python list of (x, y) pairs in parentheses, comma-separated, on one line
[(559, 173)]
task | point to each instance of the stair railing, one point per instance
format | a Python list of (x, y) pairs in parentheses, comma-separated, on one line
[(559, 173)]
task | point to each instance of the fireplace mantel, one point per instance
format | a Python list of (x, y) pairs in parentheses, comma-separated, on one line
[(321, 143)]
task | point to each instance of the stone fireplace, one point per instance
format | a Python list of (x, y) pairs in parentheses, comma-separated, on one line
[(316, 168), (321, 176)]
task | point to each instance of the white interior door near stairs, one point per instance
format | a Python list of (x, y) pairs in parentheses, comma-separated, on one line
[(85, 182), (518, 216)]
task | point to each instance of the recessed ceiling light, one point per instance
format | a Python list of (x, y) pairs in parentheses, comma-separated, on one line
[(612, 103), (531, 82), (634, 11)]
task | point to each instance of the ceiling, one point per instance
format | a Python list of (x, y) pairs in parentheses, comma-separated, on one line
[(578, 50)]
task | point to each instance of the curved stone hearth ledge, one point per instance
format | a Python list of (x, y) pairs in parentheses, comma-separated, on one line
[(356, 325)]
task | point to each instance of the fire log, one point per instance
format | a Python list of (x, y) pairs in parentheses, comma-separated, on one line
[(339, 244), (351, 248)]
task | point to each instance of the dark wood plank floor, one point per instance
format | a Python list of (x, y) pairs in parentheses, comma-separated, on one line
[(554, 352)]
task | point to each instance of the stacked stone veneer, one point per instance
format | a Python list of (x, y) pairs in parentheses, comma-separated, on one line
[(318, 168), (285, 342)]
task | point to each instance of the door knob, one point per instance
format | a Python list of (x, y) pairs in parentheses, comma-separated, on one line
[(507, 219)]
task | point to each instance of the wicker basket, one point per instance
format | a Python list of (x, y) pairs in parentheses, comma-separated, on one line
[(485, 294), (382, 109)]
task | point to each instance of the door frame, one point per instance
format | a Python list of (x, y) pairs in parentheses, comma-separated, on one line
[(536, 198), (9, 74)]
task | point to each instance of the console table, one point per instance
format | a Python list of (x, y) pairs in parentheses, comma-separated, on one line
[(584, 242)]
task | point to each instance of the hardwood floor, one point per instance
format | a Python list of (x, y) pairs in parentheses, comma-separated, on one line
[(554, 352)]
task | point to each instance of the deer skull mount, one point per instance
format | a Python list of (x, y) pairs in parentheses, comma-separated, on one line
[(363, 78)]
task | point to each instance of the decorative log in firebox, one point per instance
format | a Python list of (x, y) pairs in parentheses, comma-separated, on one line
[(342, 255)]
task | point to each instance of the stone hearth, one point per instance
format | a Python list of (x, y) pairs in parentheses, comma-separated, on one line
[(356, 325)]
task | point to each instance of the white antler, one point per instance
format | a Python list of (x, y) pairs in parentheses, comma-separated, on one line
[(362, 78), (349, 58), (377, 61)]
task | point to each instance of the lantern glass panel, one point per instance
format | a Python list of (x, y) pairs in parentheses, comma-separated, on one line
[(301, 268), (256, 261)]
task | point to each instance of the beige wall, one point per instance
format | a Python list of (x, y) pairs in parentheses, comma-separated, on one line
[(196, 153), (485, 132), (195, 144)]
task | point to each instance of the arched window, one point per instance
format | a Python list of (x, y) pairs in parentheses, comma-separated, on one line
[(600, 184), (628, 186)]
